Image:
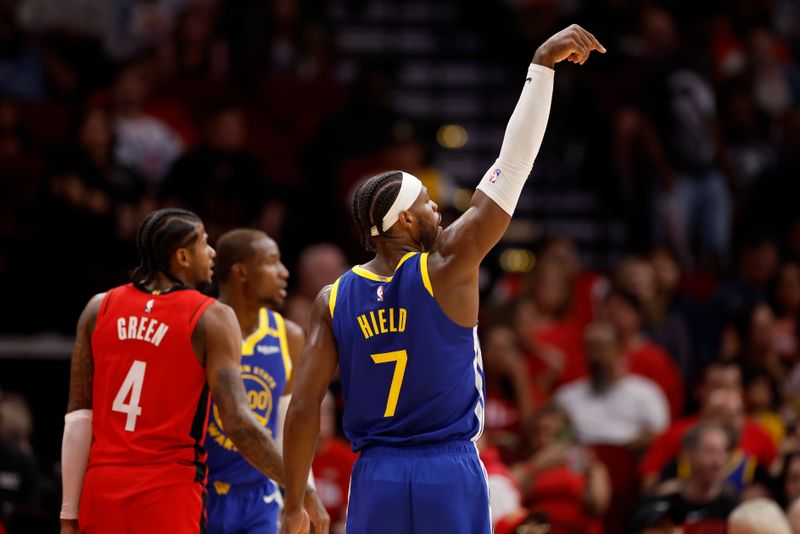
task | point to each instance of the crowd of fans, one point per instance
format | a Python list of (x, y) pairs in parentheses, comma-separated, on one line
[(656, 393)]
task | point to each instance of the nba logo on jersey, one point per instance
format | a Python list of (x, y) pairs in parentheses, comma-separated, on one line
[(380, 293), (148, 307), (495, 175)]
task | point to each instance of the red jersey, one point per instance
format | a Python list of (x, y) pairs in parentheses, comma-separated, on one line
[(150, 398), (332, 465)]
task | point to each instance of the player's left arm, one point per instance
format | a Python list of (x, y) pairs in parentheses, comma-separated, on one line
[(464, 244), (78, 421), (295, 338), (315, 369)]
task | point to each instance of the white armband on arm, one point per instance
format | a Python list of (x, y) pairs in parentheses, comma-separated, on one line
[(74, 458), (283, 407), (524, 133)]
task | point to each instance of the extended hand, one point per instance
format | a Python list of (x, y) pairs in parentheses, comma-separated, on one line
[(316, 512), (295, 523), (70, 526), (573, 44)]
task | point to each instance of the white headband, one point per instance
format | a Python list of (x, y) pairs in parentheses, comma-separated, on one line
[(409, 191)]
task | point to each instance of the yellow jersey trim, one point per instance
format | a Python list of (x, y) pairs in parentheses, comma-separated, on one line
[(423, 267), (249, 344), (332, 296), (369, 275), (287, 360), (404, 258)]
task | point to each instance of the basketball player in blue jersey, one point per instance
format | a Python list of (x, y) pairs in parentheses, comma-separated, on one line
[(402, 331), (253, 282)]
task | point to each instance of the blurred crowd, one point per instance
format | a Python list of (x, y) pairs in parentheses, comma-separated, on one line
[(657, 394)]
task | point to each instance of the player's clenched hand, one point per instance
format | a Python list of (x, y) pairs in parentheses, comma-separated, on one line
[(295, 522), (70, 526), (573, 44), (316, 512)]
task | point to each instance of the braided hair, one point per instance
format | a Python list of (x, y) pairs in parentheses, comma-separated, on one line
[(372, 200), (160, 234)]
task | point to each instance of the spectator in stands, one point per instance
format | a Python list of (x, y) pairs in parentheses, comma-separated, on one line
[(560, 478), (786, 300), (509, 394), (787, 483), (666, 328), (758, 516), (793, 515), (612, 406), (218, 179), (20, 483), (541, 321), (701, 499), (722, 406), (504, 495), (319, 265), (762, 402), (145, 142), (641, 356)]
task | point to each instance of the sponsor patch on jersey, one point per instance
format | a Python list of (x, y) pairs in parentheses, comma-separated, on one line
[(267, 350)]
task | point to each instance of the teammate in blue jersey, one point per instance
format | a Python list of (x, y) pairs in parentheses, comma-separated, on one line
[(253, 282), (402, 331)]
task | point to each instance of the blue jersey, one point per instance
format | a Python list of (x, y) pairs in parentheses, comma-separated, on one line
[(409, 374), (266, 368)]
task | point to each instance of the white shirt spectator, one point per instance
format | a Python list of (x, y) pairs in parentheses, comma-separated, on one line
[(619, 415)]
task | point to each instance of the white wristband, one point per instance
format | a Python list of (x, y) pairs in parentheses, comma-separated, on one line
[(74, 458), (524, 133)]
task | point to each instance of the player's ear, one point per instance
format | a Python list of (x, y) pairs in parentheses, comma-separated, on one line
[(183, 257), (407, 218), (239, 270)]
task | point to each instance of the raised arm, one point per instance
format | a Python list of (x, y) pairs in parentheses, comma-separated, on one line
[(78, 421), (316, 368), (464, 244)]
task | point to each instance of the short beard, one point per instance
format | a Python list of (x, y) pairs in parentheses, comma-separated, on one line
[(205, 286), (428, 233)]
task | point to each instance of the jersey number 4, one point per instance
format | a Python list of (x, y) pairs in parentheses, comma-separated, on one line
[(133, 385), (401, 359)]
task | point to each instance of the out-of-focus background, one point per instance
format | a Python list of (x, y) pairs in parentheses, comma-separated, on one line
[(662, 211)]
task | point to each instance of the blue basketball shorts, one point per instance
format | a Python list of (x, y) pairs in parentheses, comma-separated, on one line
[(437, 489), (255, 509)]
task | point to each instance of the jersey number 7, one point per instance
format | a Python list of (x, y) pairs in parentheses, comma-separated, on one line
[(401, 358), (133, 385)]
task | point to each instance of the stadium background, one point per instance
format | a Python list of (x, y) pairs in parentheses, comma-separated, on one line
[(679, 149)]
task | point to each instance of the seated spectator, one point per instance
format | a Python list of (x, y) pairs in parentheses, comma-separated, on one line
[(793, 515), (218, 179), (758, 516), (504, 496), (637, 276), (700, 502), (641, 356), (20, 483), (560, 478), (724, 406), (509, 394), (612, 406), (787, 308), (548, 297), (762, 402), (318, 266), (787, 483)]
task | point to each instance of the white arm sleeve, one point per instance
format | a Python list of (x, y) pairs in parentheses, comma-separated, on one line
[(524, 133), (283, 407), (74, 458)]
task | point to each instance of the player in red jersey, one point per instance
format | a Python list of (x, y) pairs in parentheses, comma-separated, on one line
[(146, 355)]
